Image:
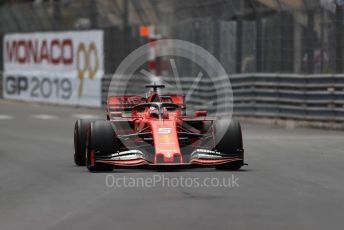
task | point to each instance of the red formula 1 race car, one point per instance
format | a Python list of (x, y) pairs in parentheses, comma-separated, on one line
[(153, 131)]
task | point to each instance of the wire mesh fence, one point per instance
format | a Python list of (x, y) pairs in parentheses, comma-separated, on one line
[(287, 36)]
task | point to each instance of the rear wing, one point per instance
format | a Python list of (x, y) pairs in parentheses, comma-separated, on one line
[(116, 104), (127, 102), (122, 103)]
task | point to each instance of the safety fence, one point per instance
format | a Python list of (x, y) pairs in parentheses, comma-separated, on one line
[(249, 36)]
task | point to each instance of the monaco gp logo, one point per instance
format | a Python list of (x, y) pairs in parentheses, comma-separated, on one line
[(28, 52), (65, 53)]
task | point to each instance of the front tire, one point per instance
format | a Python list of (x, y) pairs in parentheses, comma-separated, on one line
[(100, 142), (80, 133), (231, 143)]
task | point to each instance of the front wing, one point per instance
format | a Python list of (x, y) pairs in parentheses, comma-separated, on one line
[(199, 157)]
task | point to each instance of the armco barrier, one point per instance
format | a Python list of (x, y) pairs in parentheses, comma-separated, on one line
[(302, 97), (1, 87), (313, 98)]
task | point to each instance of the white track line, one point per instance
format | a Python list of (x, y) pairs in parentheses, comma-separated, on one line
[(87, 116), (5, 117), (44, 116)]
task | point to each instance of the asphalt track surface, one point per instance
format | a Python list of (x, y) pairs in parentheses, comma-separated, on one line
[(294, 180)]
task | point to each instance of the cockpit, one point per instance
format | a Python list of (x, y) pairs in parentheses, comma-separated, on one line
[(157, 110)]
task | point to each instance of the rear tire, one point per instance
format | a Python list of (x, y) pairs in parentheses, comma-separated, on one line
[(231, 144), (80, 133), (100, 142)]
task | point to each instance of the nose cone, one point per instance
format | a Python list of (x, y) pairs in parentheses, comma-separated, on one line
[(166, 141), (168, 158)]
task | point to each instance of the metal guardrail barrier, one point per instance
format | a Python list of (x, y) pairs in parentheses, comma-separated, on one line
[(1, 87), (318, 98), (290, 96)]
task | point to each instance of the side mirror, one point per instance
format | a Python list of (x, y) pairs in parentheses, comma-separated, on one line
[(201, 113)]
